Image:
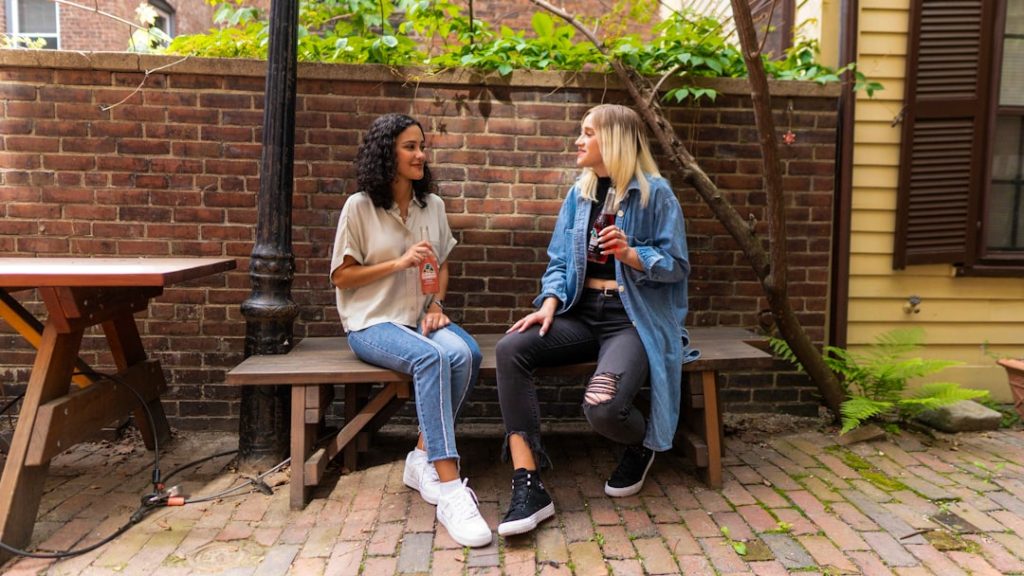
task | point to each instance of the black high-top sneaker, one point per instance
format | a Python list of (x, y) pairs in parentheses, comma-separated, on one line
[(530, 504), (628, 478)]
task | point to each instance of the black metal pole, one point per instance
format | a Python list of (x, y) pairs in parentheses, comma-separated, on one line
[(269, 311)]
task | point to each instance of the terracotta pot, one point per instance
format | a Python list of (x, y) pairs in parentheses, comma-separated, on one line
[(1015, 370)]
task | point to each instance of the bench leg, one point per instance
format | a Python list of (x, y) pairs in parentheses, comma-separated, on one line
[(712, 475), (303, 437)]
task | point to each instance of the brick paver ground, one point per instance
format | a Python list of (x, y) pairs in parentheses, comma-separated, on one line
[(795, 503)]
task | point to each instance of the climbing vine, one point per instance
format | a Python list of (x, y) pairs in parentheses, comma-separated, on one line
[(438, 34)]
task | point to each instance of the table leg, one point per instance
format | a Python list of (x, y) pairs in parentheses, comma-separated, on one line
[(21, 486), (126, 346), (712, 429)]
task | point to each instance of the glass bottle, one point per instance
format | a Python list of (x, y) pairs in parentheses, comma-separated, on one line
[(604, 219), (429, 281)]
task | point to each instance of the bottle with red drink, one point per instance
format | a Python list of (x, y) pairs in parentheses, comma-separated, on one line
[(429, 281), (604, 219)]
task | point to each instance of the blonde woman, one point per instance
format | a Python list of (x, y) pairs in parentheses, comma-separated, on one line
[(627, 312)]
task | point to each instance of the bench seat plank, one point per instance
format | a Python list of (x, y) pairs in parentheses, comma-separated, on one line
[(314, 365)]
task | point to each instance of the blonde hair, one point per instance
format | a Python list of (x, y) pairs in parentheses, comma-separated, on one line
[(624, 151)]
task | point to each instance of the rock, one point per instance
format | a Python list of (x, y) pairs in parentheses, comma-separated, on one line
[(863, 433), (963, 416)]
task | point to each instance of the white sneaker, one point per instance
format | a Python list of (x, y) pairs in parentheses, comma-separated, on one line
[(458, 512), (421, 476)]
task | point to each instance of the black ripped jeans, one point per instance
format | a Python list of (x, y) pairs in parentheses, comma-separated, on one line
[(597, 327)]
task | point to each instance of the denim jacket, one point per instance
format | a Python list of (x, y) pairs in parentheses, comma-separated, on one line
[(655, 298)]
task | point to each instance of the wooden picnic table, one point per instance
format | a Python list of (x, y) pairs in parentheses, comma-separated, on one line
[(79, 293)]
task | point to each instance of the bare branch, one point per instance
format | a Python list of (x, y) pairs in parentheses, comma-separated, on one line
[(96, 10), (141, 84), (657, 86)]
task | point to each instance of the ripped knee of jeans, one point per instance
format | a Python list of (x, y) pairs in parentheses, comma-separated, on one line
[(601, 388), (540, 457)]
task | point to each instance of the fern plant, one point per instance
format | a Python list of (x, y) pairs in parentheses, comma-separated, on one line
[(875, 381)]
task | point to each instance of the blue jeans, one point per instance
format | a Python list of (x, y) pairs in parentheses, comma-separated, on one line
[(444, 368)]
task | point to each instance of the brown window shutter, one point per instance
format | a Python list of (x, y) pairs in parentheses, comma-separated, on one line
[(945, 118)]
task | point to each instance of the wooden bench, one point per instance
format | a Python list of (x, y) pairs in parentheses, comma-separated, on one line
[(315, 365)]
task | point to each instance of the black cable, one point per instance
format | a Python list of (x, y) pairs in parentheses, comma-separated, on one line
[(138, 515), (11, 403), (198, 462), (158, 498)]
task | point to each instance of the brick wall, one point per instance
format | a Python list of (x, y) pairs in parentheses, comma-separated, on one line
[(173, 171), (84, 29)]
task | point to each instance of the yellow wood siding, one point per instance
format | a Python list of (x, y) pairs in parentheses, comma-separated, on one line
[(958, 315)]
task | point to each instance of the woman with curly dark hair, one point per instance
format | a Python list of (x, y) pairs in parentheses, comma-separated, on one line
[(391, 323)]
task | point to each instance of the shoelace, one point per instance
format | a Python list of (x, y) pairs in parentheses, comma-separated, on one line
[(465, 502), (520, 493)]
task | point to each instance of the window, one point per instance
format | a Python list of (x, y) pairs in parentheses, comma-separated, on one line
[(1005, 214), (34, 19), (164, 16), (961, 195)]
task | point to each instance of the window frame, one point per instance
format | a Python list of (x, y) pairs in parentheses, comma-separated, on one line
[(167, 11), (943, 197), (14, 30), (988, 258)]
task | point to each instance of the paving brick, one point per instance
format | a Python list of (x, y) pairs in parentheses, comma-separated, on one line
[(682, 497), (380, 566), (520, 561), (697, 564), (737, 526), (844, 537), (758, 518), (415, 553), (722, 555), (602, 512), (772, 568), (385, 539), (788, 551), (700, 524), (679, 540), (615, 543), (448, 562), (889, 549), (626, 567), (577, 526), (672, 527), (885, 519), (277, 562), (551, 546), (973, 563), (799, 524), (660, 509), (825, 553), (586, 558), (935, 560), (655, 556), (997, 555), (345, 559), (869, 564), (484, 556), (745, 474), (767, 496), (853, 517), (1011, 542), (983, 521), (837, 466), (638, 523)]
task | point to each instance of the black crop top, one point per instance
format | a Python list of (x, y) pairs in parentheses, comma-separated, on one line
[(604, 271)]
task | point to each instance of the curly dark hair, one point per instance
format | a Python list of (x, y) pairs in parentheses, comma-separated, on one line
[(375, 161)]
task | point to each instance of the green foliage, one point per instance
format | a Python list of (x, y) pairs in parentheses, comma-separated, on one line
[(13, 41), (437, 34), (875, 382)]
